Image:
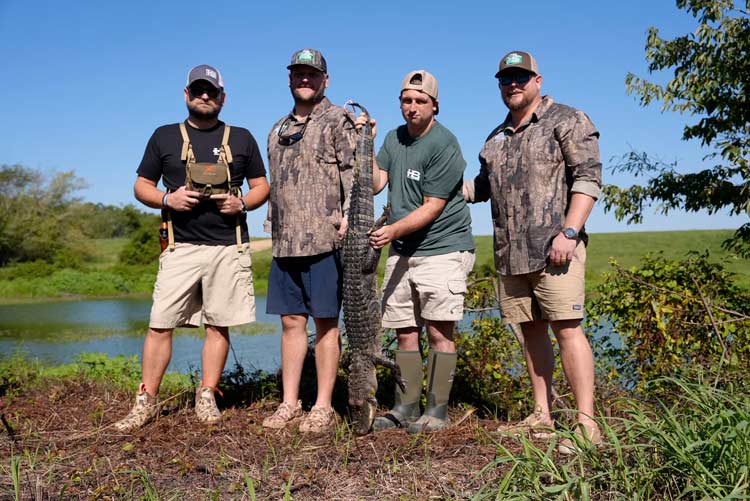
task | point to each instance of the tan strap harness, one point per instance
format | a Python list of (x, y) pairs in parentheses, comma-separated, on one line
[(225, 156)]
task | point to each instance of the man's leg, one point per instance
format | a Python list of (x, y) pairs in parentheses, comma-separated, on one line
[(157, 352), (327, 352), (540, 363), (214, 354), (293, 351), (440, 334), (578, 364)]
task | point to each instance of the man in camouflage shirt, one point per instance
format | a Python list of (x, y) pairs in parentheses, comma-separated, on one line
[(311, 155), (541, 170)]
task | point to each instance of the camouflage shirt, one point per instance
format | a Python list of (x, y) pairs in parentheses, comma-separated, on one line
[(530, 173), (310, 180)]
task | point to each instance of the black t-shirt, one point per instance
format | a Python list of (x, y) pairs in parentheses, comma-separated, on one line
[(203, 225)]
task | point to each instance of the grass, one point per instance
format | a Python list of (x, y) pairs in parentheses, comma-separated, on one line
[(103, 277)]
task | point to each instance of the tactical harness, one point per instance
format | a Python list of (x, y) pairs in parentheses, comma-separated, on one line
[(207, 178)]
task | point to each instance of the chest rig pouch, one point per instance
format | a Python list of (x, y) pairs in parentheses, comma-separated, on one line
[(207, 178)]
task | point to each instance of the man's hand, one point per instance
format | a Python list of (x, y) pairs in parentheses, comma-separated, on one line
[(183, 200), (228, 204), (343, 226), (362, 120), (383, 236), (562, 250)]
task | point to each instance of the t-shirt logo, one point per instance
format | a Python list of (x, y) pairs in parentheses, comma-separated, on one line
[(413, 174), (217, 151)]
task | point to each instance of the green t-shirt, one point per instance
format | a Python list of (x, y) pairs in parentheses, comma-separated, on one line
[(430, 165)]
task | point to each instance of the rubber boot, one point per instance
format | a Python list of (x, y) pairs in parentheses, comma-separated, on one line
[(406, 404), (440, 370)]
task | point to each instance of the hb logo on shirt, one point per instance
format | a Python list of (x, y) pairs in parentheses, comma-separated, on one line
[(413, 174)]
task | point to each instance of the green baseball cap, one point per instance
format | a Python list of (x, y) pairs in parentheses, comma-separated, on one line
[(309, 57), (517, 59)]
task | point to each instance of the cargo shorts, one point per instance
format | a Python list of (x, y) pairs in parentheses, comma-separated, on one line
[(421, 288), (212, 284), (553, 293)]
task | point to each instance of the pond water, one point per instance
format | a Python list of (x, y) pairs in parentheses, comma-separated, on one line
[(58, 332)]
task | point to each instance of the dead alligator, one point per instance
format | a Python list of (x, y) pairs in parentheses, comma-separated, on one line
[(360, 297)]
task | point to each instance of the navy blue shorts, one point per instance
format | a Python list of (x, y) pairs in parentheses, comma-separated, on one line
[(305, 285)]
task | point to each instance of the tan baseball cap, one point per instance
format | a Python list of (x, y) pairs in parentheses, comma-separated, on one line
[(517, 59), (423, 81)]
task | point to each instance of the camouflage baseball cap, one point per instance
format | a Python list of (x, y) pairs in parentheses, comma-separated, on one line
[(518, 59), (207, 73), (309, 57)]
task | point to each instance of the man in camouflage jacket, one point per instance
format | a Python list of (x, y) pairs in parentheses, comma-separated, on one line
[(541, 170), (311, 156)]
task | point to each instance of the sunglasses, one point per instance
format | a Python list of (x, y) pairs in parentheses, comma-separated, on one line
[(200, 89), (519, 78), (290, 139)]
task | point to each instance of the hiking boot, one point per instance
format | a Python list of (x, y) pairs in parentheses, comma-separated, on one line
[(143, 412), (284, 415), (318, 420), (535, 424), (205, 405), (441, 367), (584, 437)]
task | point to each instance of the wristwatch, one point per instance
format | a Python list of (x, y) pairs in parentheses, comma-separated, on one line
[(244, 207), (570, 233)]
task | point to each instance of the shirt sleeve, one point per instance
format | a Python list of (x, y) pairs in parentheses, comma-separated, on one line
[(580, 148), (384, 156), (255, 167), (446, 170), (151, 165), (481, 183)]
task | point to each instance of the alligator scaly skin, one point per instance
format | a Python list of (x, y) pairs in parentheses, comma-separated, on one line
[(362, 318)]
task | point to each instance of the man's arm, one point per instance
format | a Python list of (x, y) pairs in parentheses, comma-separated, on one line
[(416, 220), (578, 212)]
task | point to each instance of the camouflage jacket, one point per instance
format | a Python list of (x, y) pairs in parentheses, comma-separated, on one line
[(310, 180), (530, 173)]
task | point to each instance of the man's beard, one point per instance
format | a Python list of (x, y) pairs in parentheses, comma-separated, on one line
[(199, 114), (517, 105), (314, 99)]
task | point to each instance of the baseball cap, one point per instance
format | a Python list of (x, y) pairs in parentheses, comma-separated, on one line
[(309, 57), (207, 73), (517, 59), (423, 81)]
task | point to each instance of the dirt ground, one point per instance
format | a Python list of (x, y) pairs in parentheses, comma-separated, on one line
[(67, 449)]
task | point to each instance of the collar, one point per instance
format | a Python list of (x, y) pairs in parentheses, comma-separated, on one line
[(319, 109), (538, 113)]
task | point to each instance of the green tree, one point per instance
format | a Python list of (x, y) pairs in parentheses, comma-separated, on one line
[(710, 81)]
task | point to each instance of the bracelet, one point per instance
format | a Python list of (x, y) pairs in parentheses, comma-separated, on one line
[(164, 201), (244, 207)]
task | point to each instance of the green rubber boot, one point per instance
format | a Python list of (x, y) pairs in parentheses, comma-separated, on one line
[(440, 370), (406, 405)]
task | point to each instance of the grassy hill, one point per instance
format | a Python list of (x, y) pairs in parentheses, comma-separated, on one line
[(104, 277)]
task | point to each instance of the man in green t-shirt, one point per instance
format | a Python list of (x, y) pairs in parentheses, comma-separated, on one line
[(432, 251)]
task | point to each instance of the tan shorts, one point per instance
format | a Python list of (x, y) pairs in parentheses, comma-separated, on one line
[(554, 293), (209, 283), (425, 287)]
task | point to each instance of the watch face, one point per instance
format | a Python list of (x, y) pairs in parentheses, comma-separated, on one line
[(570, 233)]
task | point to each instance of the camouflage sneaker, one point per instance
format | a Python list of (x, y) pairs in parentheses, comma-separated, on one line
[(284, 415), (205, 405), (143, 412), (319, 420), (584, 437), (535, 424)]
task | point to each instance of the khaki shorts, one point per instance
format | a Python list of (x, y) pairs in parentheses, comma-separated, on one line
[(554, 293), (209, 283), (425, 287)]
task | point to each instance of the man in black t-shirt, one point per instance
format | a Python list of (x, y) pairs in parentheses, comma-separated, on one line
[(206, 274)]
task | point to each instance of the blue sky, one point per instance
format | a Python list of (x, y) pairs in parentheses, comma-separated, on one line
[(88, 82)]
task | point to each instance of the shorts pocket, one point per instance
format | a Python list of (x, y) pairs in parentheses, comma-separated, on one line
[(457, 286)]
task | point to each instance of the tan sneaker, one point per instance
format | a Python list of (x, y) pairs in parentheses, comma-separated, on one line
[(205, 405), (585, 437), (318, 420), (284, 415), (535, 424), (143, 412)]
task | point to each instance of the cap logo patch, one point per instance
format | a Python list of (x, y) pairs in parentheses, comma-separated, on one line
[(514, 59), (306, 56), (211, 73)]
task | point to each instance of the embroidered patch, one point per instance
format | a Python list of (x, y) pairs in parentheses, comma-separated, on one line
[(577, 307), (514, 59), (306, 56), (413, 174)]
